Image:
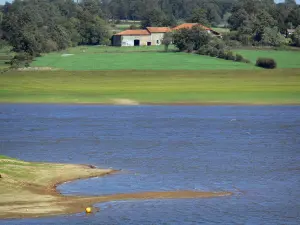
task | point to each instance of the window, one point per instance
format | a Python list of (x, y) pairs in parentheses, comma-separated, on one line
[(157, 42)]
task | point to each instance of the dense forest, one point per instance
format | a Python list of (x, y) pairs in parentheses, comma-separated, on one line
[(37, 26)]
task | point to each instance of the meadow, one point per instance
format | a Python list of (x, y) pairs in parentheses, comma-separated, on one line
[(284, 59), (153, 87), (136, 61), (155, 58), (132, 58), (148, 75)]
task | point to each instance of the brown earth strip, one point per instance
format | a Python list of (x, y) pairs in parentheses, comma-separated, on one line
[(28, 190)]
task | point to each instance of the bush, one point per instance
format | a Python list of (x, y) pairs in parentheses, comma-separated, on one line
[(246, 60), (213, 52), (229, 56), (208, 50), (21, 59), (203, 50), (266, 63), (239, 58), (221, 54), (233, 43), (217, 43)]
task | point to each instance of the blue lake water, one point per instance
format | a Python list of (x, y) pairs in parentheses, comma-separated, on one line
[(252, 151)]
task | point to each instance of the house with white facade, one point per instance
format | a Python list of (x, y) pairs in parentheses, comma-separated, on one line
[(151, 35)]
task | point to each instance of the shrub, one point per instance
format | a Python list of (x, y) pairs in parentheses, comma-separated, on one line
[(213, 52), (239, 58), (229, 56), (21, 59), (221, 54), (246, 60), (233, 43), (203, 50), (266, 63), (217, 43)]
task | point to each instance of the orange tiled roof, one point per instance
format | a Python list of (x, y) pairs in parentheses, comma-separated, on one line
[(190, 25), (159, 29), (133, 32)]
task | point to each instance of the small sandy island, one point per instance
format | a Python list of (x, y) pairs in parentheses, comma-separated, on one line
[(28, 189)]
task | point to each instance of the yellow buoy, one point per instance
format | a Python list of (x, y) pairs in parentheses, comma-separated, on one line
[(88, 210)]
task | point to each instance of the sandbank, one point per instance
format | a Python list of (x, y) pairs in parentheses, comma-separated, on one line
[(28, 189)]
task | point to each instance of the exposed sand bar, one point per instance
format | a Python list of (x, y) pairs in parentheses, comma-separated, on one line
[(29, 189)]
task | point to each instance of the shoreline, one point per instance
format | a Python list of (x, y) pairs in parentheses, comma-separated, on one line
[(158, 104), (38, 196)]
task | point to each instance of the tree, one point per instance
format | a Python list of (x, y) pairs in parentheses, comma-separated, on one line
[(262, 20), (155, 18), (237, 18), (190, 39), (272, 37), (167, 40), (199, 16), (296, 37), (294, 17), (36, 26)]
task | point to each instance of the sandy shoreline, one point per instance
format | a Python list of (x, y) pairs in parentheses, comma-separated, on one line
[(35, 195)]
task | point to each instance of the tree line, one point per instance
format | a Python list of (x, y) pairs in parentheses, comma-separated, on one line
[(167, 12), (256, 22), (37, 26)]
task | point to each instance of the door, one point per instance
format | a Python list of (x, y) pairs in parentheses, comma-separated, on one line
[(148, 43), (136, 42)]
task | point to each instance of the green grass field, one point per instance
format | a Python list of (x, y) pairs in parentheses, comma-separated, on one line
[(148, 75), (154, 58), (158, 87), (284, 59), (132, 58)]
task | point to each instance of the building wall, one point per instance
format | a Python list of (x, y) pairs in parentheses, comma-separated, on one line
[(129, 40), (156, 38)]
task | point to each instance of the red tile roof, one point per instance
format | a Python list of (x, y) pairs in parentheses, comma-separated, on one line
[(159, 29), (133, 32), (190, 25)]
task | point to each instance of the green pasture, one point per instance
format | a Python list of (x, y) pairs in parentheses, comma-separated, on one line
[(284, 59), (131, 58), (154, 58), (157, 87)]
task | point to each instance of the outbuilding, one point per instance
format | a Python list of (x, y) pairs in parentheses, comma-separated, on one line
[(147, 37)]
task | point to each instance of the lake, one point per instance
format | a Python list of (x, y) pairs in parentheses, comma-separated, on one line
[(253, 151)]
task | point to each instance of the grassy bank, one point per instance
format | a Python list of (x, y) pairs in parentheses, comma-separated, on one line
[(29, 189), (157, 87)]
